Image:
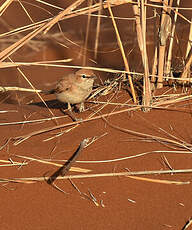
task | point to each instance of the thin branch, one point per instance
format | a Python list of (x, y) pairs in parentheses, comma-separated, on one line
[(66, 167)]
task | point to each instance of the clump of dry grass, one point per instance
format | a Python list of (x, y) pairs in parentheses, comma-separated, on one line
[(162, 62)]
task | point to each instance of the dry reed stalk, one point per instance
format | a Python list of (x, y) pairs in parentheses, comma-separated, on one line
[(12, 163), (40, 63), (114, 3), (108, 70), (158, 180), (136, 12), (122, 52), (6, 89), (155, 42), (146, 82), (172, 9), (134, 156), (48, 64), (4, 6), (189, 44), (165, 30), (188, 56), (90, 3), (187, 65), (160, 66), (154, 67), (169, 58), (173, 101), (98, 30), (126, 174)]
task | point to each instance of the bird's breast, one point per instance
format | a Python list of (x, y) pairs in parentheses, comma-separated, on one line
[(74, 95)]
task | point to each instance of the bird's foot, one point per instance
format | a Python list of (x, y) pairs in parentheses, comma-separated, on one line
[(82, 107), (70, 114)]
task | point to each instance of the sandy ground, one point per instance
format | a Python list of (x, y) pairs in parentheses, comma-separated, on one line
[(150, 202), (121, 202)]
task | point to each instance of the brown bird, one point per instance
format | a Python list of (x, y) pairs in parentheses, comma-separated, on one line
[(74, 88)]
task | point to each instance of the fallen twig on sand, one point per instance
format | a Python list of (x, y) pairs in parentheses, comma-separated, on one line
[(188, 224), (66, 167)]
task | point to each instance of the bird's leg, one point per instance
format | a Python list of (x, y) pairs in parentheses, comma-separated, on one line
[(69, 107), (70, 113), (81, 108)]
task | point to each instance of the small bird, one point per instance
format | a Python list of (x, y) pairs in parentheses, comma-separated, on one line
[(74, 88)]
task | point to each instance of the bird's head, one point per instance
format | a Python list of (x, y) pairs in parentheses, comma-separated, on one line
[(85, 77)]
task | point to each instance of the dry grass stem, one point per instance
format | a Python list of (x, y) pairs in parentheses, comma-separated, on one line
[(82, 176), (20, 139), (187, 66), (73, 169), (13, 164), (153, 137), (154, 68), (165, 29), (146, 82), (159, 181), (189, 41), (170, 50), (90, 3), (25, 10), (134, 156), (122, 52), (98, 30), (29, 121), (5, 89), (4, 6), (108, 70)]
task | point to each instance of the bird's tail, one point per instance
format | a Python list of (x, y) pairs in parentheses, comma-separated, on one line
[(46, 92)]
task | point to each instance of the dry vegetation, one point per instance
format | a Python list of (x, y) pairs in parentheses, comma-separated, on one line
[(160, 73)]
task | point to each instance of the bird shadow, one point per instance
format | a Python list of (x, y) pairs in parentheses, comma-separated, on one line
[(55, 104), (52, 104)]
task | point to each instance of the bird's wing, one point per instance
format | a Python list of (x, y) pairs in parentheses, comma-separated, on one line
[(62, 86)]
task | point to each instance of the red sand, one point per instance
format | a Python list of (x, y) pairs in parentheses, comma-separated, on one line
[(127, 203)]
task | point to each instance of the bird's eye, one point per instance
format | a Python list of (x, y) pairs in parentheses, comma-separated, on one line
[(83, 76)]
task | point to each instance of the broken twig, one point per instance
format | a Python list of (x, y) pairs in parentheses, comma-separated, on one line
[(65, 168)]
